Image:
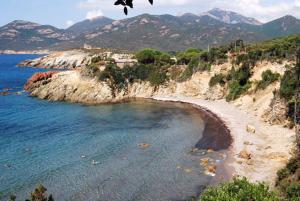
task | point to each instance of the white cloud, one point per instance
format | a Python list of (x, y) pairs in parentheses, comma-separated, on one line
[(69, 23), (94, 14), (256, 8)]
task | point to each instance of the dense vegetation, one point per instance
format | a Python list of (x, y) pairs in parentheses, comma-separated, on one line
[(155, 66), (238, 190)]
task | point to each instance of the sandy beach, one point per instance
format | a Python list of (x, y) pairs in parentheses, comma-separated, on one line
[(268, 146)]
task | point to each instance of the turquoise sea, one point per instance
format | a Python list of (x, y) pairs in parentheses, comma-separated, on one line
[(90, 153)]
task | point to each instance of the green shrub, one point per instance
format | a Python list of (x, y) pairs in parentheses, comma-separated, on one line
[(239, 190), (242, 75), (288, 85), (236, 90), (293, 192), (238, 81), (115, 75), (288, 179), (282, 174), (268, 77), (157, 78), (217, 79), (96, 59), (91, 70), (148, 56), (202, 66)]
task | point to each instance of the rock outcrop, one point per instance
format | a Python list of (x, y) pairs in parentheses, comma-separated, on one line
[(61, 60), (38, 77)]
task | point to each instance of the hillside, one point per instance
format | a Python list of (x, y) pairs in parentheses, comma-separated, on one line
[(164, 32), (24, 35)]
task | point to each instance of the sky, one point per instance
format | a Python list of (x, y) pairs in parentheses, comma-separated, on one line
[(63, 13)]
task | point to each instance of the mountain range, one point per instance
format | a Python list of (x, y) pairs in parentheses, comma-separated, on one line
[(165, 32)]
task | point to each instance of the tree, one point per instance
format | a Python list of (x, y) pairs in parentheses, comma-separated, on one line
[(40, 194), (148, 56), (128, 3)]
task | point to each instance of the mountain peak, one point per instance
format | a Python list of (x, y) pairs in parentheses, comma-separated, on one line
[(90, 24), (289, 17), (230, 17), (22, 22)]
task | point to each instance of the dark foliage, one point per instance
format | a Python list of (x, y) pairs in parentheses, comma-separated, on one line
[(217, 79), (128, 3), (268, 77)]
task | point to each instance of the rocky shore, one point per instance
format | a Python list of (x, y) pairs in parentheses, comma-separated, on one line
[(259, 149)]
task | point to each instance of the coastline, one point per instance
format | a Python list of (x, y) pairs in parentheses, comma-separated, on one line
[(258, 151), (269, 146), (38, 52)]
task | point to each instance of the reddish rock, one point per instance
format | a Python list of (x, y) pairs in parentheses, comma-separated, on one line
[(38, 77)]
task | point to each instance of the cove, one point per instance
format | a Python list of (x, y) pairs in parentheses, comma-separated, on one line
[(93, 153)]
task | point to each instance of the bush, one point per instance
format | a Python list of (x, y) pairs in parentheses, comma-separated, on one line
[(288, 85), (115, 75), (238, 81), (236, 90), (186, 57), (91, 70), (96, 59), (268, 77), (293, 192), (148, 56), (239, 190), (157, 78), (217, 79)]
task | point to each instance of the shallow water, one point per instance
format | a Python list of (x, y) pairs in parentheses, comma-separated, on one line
[(54, 144)]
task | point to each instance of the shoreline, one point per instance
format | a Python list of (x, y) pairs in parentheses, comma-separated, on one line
[(268, 153), (258, 151)]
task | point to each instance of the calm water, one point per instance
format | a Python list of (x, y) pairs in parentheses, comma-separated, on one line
[(44, 143)]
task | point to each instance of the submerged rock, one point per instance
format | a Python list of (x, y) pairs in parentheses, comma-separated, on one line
[(144, 145)]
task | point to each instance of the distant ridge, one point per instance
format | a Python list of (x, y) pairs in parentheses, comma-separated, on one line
[(165, 32)]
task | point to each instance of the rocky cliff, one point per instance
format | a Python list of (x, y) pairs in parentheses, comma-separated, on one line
[(72, 86)]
